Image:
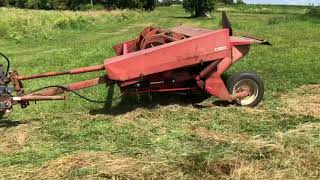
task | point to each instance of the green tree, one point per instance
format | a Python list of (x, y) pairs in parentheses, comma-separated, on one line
[(228, 1), (149, 5), (37, 4), (198, 8), (1, 3), (169, 2), (79, 4), (20, 3), (240, 2)]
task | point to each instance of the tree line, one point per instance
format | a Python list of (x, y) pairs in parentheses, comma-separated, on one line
[(202, 7), (80, 4), (195, 7)]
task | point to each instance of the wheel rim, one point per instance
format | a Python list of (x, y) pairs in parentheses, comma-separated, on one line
[(246, 85)]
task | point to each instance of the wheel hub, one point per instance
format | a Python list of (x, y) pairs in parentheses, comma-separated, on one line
[(249, 86)]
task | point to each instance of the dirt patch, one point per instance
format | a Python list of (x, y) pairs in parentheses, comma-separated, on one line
[(104, 165), (303, 101), (14, 137), (224, 167)]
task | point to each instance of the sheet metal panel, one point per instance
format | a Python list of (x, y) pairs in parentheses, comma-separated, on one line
[(194, 50)]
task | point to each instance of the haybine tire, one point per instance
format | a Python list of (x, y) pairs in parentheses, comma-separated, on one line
[(250, 80)]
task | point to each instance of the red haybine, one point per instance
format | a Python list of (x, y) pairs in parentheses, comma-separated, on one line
[(159, 60)]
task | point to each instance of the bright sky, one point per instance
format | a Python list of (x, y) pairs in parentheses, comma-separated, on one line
[(289, 2)]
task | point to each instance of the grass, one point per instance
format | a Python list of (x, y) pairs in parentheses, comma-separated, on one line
[(164, 137), (314, 12), (20, 24)]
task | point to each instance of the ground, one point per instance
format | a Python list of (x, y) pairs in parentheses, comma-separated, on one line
[(165, 136)]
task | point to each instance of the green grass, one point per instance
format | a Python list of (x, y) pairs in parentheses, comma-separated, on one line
[(166, 136), (20, 24)]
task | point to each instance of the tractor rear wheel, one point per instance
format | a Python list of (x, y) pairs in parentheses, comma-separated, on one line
[(250, 82)]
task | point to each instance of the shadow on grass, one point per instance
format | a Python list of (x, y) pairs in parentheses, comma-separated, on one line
[(151, 100), (222, 103), (5, 123), (190, 17), (181, 17)]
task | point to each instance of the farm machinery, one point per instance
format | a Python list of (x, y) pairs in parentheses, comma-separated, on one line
[(159, 60)]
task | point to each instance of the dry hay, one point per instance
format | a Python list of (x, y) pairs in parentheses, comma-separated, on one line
[(260, 109), (14, 172), (103, 165), (291, 164), (224, 167), (259, 170), (306, 129), (303, 101), (14, 138), (177, 108), (137, 114), (309, 132), (298, 160), (151, 116), (239, 168), (106, 165), (92, 165), (302, 152), (220, 137), (128, 117), (304, 162), (259, 144)]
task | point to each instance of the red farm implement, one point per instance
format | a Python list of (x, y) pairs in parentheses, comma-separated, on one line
[(159, 60)]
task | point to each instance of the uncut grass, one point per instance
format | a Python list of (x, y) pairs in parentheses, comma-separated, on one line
[(167, 138), (19, 24)]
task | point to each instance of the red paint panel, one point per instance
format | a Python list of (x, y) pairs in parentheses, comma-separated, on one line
[(187, 52), (216, 87), (214, 84), (131, 47)]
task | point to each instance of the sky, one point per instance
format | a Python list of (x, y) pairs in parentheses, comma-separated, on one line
[(284, 2), (289, 2)]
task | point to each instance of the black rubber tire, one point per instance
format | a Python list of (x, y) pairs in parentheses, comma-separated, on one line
[(234, 79)]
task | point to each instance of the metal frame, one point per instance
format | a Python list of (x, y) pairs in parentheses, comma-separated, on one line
[(159, 60)]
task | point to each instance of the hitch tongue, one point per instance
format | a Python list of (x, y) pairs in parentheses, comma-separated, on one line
[(240, 95), (37, 98)]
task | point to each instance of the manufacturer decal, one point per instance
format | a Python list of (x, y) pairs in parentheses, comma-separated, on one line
[(222, 48)]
